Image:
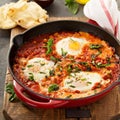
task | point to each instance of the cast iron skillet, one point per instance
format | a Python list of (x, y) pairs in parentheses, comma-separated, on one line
[(51, 27)]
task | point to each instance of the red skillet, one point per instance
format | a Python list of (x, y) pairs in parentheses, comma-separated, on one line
[(40, 101)]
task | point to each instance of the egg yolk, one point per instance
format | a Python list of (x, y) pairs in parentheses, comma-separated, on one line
[(74, 45)]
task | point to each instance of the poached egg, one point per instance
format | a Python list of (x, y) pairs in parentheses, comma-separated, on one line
[(38, 68), (82, 81), (70, 45)]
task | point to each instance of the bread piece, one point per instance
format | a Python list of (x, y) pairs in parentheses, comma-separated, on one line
[(5, 21), (29, 15), (23, 13)]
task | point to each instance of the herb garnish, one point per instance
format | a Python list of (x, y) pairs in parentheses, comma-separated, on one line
[(95, 46), (99, 64), (72, 86), (88, 83), (49, 46), (54, 59), (23, 68), (10, 90), (69, 82), (69, 96), (60, 67), (42, 72), (51, 72), (72, 5), (69, 68), (93, 56), (76, 69), (30, 66), (64, 53), (53, 87), (88, 67), (42, 64), (31, 76), (72, 59), (83, 79)]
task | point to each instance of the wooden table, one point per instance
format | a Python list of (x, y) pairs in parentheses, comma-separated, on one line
[(108, 108)]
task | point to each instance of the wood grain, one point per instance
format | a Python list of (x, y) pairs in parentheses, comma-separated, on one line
[(108, 108)]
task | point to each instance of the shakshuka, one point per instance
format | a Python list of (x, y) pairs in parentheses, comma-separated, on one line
[(66, 64)]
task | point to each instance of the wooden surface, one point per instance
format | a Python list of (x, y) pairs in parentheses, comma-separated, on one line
[(108, 108)]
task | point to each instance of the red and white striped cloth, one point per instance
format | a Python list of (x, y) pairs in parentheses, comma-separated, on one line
[(105, 13)]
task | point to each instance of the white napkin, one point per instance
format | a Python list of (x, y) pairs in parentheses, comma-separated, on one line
[(105, 13)]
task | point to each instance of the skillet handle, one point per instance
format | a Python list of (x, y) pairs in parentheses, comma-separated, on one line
[(50, 104)]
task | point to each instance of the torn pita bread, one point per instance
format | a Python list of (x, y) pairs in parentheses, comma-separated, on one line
[(31, 14), (5, 21), (22, 13)]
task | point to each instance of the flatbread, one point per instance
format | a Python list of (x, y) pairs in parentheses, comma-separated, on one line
[(5, 21), (23, 13), (31, 14)]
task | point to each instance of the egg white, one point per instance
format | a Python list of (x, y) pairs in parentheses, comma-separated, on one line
[(63, 45), (39, 68), (82, 81)]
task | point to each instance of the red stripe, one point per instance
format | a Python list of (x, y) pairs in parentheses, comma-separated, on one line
[(107, 13), (116, 29)]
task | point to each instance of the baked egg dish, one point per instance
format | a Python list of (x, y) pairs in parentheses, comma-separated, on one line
[(66, 64)]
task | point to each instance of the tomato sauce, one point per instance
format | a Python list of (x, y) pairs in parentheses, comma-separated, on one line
[(96, 56)]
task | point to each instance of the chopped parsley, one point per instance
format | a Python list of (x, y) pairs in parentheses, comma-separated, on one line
[(88, 83), (99, 64), (31, 76), (42, 72), (83, 79), (72, 86), (53, 87), (69, 82), (42, 64), (76, 69), (10, 90), (95, 46), (69, 96), (60, 67), (23, 68), (72, 69), (88, 67), (69, 68), (30, 66), (51, 72), (54, 59), (49, 46), (64, 53)]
